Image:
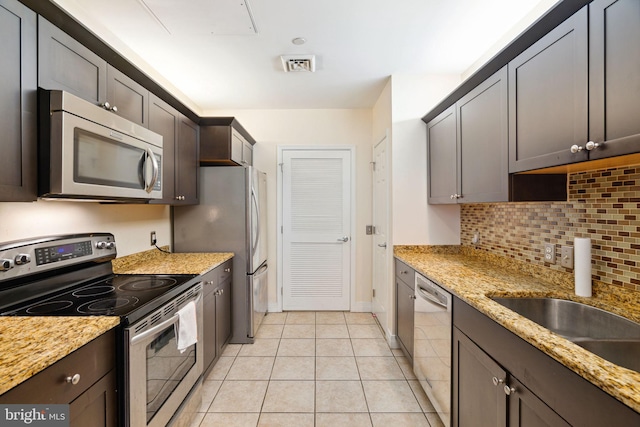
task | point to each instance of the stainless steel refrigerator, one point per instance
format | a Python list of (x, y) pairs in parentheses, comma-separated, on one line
[(231, 217)]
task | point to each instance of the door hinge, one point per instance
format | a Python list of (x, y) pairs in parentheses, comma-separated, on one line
[(281, 167), (373, 165), (281, 229), (374, 293)]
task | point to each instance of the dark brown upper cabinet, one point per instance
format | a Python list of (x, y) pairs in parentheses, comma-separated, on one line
[(127, 98), (224, 142), (482, 140), (614, 77), (467, 147), (18, 102), (66, 64), (186, 162), (180, 153), (548, 98), (441, 158)]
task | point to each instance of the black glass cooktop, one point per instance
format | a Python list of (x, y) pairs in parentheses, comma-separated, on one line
[(117, 295)]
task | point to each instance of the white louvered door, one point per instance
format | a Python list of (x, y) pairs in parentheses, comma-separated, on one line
[(316, 217)]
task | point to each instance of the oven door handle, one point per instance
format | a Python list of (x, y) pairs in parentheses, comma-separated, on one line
[(159, 327)]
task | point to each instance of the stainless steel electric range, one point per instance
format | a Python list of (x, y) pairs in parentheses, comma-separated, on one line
[(72, 275)]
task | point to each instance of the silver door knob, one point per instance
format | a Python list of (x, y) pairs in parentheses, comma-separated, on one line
[(343, 239), (382, 245)]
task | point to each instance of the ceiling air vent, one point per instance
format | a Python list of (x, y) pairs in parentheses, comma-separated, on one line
[(295, 63)]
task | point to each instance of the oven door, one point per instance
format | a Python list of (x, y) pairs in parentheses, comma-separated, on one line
[(158, 376)]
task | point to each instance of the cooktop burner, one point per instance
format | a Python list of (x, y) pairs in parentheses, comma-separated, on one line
[(116, 295)]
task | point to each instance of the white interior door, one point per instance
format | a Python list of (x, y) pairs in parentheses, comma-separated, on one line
[(316, 231), (381, 246)]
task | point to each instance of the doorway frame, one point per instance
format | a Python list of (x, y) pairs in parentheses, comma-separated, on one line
[(277, 307)]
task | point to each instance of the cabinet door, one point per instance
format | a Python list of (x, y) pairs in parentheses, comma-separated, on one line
[(404, 315), (441, 157), (97, 406), (65, 64), (247, 153), (223, 313), (527, 410), (186, 163), (483, 161), (548, 109), (163, 119), (614, 77), (127, 98), (476, 400), (209, 331), (18, 103)]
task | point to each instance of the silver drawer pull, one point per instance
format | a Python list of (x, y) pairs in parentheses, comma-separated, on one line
[(74, 379), (227, 270)]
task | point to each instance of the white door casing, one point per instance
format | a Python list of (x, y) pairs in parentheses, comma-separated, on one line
[(382, 248), (316, 229)]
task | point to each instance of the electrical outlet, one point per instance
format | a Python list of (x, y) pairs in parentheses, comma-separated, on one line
[(566, 256), (152, 238), (550, 253)]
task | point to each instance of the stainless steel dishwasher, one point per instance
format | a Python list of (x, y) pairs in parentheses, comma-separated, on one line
[(432, 344)]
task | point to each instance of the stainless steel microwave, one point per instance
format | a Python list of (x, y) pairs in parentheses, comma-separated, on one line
[(87, 152)]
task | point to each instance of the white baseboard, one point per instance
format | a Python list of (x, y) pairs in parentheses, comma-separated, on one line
[(361, 307), (358, 307)]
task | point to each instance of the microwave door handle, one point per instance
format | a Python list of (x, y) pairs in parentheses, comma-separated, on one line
[(154, 177)]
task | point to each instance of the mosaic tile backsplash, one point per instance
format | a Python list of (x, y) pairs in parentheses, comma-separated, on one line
[(603, 205)]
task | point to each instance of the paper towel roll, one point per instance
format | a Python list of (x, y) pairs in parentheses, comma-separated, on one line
[(582, 266)]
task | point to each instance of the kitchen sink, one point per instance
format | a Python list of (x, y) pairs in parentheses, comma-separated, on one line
[(608, 335)]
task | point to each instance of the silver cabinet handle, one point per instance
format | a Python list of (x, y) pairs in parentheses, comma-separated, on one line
[(575, 148), (343, 239), (592, 145), (509, 390), (227, 270), (382, 245), (497, 381), (73, 379)]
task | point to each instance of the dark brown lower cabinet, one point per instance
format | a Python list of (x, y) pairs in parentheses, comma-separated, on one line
[(217, 313), (486, 395), (92, 400), (499, 379)]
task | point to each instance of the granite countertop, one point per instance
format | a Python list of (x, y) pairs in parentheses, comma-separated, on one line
[(30, 344), (474, 276), (157, 262)]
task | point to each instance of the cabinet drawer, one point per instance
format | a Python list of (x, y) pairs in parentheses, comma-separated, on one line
[(91, 361), (225, 272), (405, 273)]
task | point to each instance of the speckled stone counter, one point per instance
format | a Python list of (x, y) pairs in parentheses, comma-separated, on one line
[(474, 276), (30, 344), (158, 262)]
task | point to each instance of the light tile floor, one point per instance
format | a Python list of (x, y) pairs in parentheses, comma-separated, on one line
[(315, 369)]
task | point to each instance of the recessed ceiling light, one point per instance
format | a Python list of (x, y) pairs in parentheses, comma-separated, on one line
[(299, 40)]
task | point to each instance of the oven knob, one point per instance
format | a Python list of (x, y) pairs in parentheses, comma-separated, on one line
[(111, 245), (6, 264), (22, 259), (101, 245)]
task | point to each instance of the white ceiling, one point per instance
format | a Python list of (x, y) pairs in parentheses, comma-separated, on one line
[(357, 43)]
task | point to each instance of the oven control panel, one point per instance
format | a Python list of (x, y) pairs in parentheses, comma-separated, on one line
[(26, 257)]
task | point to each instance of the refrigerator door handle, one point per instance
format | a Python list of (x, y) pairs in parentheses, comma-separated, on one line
[(257, 236), (262, 270)]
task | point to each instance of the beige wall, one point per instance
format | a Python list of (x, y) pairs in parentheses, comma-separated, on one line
[(273, 128), (130, 224), (414, 221)]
